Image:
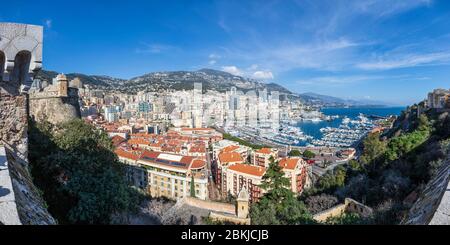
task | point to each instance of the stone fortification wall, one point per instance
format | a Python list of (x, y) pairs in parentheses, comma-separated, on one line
[(433, 205), (212, 206), (349, 206), (55, 109), (20, 59)]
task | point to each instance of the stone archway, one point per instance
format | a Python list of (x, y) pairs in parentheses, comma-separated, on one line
[(2, 65), (20, 74)]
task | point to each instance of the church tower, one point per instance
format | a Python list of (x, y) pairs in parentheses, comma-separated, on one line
[(242, 204)]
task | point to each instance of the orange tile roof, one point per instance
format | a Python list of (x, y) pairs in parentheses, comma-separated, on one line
[(226, 157), (200, 149), (141, 135), (248, 169), (230, 148), (138, 141), (197, 164), (116, 140), (134, 155), (289, 163), (157, 144), (264, 151)]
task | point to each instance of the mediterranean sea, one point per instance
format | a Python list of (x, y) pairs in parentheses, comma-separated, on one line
[(313, 128)]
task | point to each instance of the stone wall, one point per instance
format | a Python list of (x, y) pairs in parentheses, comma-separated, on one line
[(433, 205), (224, 217), (349, 206), (210, 205), (13, 124), (21, 51), (55, 109)]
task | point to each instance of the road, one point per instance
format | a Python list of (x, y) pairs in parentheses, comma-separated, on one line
[(213, 192), (318, 171)]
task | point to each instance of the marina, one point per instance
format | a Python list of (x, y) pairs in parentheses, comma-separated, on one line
[(330, 127)]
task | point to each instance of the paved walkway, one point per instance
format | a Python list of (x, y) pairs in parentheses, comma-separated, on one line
[(8, 208)]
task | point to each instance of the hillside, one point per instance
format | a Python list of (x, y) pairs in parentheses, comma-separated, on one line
[(330, 101), (210, 79), (102, 82), (177, 80), (394, 167)]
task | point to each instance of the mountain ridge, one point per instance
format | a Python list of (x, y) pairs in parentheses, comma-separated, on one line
[(178, 80)]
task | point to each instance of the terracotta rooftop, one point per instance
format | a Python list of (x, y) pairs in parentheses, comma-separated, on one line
[(197, 164), (133, 155), (248, 169), (117, 140), (226, 157), (264, 151), (230, 148), (289, 163), (200, 149), (138, 141)]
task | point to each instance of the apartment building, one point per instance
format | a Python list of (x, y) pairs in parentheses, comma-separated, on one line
[(296, 169), (262, 156), (165, 175), (244, 176)]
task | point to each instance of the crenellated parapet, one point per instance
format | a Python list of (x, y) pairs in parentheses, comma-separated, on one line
[(20, 55)]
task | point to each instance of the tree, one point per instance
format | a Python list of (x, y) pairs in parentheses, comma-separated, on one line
[(294, 153), (278, 205), (192, 186), (309, 154), (80, 176), (423, 124), (373, 148), (346, 219), (316, 204)]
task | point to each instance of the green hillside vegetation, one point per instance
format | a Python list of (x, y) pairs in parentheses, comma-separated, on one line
[(243, 142), (80, 176), (391, 167)]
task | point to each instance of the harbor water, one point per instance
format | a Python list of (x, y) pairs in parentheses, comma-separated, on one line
[(312, 128)]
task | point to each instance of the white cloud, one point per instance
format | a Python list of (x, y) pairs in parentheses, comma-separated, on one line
[(154, 48), (383, 8), (338, 80), (214, 56), (48, 23), (403, 61), (232, 70), (263, 75), (253, 67)]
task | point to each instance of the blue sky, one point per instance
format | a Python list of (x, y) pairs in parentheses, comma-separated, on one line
[(393, 51)]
